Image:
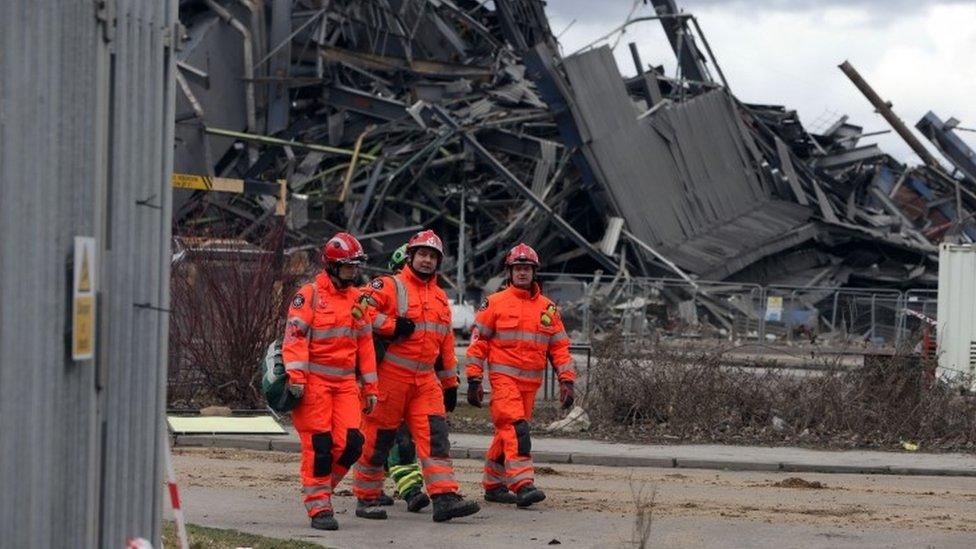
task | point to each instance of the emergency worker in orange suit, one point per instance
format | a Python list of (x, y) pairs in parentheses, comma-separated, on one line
[(516, 331), (412, 388), (327, 346)]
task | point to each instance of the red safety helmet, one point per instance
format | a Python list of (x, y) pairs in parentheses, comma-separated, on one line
[(426, 239), (343, 249), (522, 254)]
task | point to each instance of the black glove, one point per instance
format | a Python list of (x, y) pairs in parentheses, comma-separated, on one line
[(404, 327), (450, 399), (566, 394), (475, 393)]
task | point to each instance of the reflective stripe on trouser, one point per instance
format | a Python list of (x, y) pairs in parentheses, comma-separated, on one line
[(420, 403), (318, 498), (494, 474), (327, 419), (508, 460)]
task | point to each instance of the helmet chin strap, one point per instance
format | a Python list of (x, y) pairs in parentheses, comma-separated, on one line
[(341, 283), (420, 275)]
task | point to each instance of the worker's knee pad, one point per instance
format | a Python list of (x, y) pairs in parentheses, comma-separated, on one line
[(406, 451), (322, 448), (353, 449), (522, 437), (384, 441), (440, 446)]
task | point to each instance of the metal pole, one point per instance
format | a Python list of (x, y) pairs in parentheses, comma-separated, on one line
[(637, 60), (873, 296), (833, 314), (460, 256), (884, 109), (708, 49), (285, 143)]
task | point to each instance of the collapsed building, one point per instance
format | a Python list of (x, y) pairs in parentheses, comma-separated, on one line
[(385, 116)]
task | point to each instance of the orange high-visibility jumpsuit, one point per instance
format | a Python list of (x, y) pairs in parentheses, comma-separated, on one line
[(411, 386), (515, 332), (326, 348)]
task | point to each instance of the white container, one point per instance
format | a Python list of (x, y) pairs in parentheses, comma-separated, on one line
[(957, 314)]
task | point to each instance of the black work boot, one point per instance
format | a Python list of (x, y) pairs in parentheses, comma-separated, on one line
[(500, 495), (529, 494), (416, 500), (325, 521), (370, 509), (384, 500), (448, 506)]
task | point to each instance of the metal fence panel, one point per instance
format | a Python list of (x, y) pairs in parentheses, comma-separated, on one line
[(648, 310)]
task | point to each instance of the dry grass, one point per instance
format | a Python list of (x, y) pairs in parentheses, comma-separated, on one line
[(665, 395)]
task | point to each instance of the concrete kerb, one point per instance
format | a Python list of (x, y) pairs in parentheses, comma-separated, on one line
[(930, 472), (463, 452), (720, 465), (622, 461), (221, 441), (836, 469)]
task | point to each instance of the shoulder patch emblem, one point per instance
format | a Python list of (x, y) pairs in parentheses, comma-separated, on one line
[(484, 304), (298, 301), (377, 284)]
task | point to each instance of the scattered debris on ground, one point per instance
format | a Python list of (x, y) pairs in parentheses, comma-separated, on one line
[(797, 482)]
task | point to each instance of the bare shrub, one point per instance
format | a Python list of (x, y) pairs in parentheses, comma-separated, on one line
[(228, 302), (662, 393)]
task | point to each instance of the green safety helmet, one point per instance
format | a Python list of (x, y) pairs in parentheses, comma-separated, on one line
[(398, 259)]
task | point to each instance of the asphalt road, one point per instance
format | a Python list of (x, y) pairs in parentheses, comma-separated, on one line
[(592, 506)]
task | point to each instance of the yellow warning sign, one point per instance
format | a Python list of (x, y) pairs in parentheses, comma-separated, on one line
[(83, 299), (84, 280), (83, 328)]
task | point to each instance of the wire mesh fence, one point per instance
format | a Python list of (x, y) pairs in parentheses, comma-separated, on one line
[(649, 311)]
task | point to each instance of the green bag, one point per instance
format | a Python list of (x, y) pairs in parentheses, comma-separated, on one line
[(274, 380)]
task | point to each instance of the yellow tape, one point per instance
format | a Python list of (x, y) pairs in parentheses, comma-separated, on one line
[(207, 183), (196, 182)]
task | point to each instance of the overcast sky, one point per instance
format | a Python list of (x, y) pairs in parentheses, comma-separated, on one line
[(919, 55)]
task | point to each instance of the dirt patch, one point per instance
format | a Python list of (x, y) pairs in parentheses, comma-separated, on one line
[(545, 470), (797, 482)]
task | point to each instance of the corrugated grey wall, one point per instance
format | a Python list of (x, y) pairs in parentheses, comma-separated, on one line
[(85, 149)]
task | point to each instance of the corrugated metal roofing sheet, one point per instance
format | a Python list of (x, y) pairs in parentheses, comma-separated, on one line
[(682, 177)]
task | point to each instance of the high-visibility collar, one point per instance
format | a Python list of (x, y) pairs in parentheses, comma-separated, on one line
[(407, 275), (528, 295), (326, 286)]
